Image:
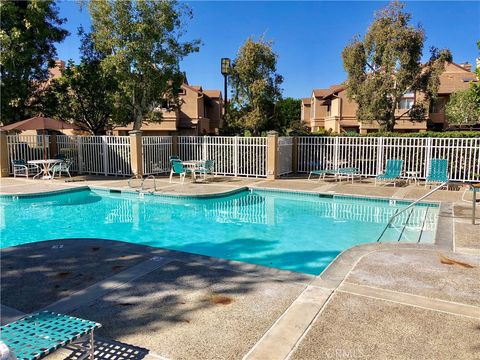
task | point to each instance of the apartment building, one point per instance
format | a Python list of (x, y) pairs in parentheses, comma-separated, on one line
[(330, 109), (200, 113)]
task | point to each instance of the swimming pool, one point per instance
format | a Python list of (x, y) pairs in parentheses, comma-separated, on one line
[(292, 231)]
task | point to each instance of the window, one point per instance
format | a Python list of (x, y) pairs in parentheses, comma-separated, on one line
[(329, 110), (407, 101), (437, 105)]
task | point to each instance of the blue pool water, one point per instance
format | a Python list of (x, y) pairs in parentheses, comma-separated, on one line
[(298, 232)]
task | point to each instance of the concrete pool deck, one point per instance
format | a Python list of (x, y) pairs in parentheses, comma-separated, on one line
[(378, 301)]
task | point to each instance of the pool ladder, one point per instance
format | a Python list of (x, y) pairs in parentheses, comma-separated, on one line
[(142, 184), (397, 213)]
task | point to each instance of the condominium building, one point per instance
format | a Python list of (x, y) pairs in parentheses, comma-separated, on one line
[(330, 109), (200, 113)]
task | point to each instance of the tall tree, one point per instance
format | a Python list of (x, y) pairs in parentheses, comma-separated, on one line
[(256, 85), (476, 85), (84, 93), (462, 108), (142, 44), (386, 64), (287, 114), (29, 30)]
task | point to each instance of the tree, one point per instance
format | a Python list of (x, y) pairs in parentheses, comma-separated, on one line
[(84, 93), (476, 86), (142, 47), (386, 64), (462, 108), (287, 114), (256, 85), (29, 30)]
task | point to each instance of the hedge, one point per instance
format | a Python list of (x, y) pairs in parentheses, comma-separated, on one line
[(437, 134)]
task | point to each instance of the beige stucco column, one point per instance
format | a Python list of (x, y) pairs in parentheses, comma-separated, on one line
[(136, 152), (4, 170), (272, 155)]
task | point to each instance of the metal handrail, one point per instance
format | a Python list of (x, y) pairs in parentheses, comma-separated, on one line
[(154, 182), (416, 202)]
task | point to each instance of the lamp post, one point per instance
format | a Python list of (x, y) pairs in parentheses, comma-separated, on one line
[(225, 69)]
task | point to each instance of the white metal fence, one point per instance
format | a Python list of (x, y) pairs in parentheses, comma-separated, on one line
[(233, 155), (156, 153), (240, 156), (27, 147), (369, 154), (285, 147)]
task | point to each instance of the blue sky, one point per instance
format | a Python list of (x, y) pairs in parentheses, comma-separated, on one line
[(308, 36)]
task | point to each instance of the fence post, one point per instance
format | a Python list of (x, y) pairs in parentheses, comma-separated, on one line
[(335, 152), (175, 150), (294, 154), (272, 155), (428, 156), (379, 155), (204, 148), (235, 156), (4, 168), (136, 153), (80, 154), (105, 155)]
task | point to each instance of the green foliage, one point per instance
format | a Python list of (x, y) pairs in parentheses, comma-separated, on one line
[(256, 86), (84, 93), (436, 134), (142, 44), (28, 32), (287, 115), (386, 64), (462, 108), (476, 86)]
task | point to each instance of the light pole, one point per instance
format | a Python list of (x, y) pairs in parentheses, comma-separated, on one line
[(225, 69)]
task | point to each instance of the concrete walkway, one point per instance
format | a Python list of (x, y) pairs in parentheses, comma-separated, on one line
[(377, 301)]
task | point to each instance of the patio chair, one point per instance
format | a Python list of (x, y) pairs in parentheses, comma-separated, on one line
[(63, 166), (437, 172), (392, 172), (38, 335), (321, 173), (179, 169), (348, 172), (206, 169), (22, 168)]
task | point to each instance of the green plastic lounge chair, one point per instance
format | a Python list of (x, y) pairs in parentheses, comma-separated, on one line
[(321, 173), (22, 168), (437, 172), (35, 336), (348, 172), (63, 166), (179, 169), (207, 168), (392, 172)]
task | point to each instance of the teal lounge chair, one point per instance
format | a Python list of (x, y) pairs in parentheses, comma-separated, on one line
[(179, 169), (348, 172), (206, 169), (35, 336), (392, 172), (321, 173), (437, 172)]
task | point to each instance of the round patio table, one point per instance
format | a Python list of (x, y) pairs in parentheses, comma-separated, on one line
[(192, 165), (44, 167)]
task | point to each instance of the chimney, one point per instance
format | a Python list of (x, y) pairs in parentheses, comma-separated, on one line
[(466, 66)]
